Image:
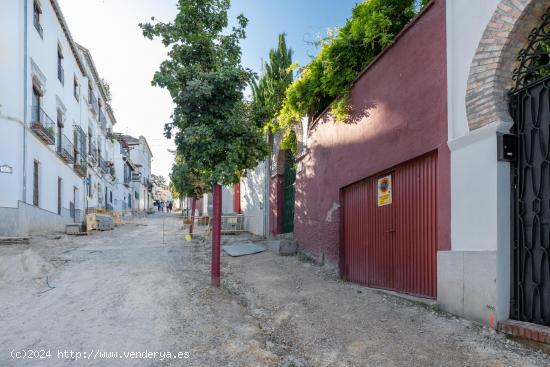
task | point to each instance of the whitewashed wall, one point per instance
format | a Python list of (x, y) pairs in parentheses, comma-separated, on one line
[(42, 64), (473, 278), (120, 192), (11, 105), (253, 199), (142, 155)]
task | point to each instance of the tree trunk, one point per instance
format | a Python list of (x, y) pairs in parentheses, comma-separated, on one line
[(193, 205), (216, 234)]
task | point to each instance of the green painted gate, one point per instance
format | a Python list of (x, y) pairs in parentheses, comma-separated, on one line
[(288, 193)]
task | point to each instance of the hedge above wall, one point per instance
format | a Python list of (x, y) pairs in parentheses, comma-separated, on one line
[(327, 80)]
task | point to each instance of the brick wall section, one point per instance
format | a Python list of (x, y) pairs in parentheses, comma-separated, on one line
[(492, 68), (537, 333)]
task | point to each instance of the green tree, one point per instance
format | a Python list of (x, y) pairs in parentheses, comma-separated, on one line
[(184, 182), (327, 80), (162, 180), (205, 78), (269, 91)]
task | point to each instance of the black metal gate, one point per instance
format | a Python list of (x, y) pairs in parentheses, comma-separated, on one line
[(531, 246), (288, 193), (530, 108)]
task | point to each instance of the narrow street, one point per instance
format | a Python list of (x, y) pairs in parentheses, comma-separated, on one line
[(121, 291), (126, 291)]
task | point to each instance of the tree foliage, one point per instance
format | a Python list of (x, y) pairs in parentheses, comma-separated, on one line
[(203, 73), (184, 182), (269, 91), (327, 80)]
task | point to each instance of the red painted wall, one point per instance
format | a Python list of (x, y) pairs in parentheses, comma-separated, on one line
[(199, 206), (276, 204), (237, 198), (399, 113)]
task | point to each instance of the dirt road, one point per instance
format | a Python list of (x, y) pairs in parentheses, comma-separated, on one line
[(121, 291), (125, 298)]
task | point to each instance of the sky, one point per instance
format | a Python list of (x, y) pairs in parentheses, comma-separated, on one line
[(128, 61)]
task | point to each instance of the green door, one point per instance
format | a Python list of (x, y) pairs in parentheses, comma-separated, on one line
[(288, 193)]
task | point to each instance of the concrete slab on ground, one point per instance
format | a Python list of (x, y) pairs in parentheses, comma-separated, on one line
[(242, 249)]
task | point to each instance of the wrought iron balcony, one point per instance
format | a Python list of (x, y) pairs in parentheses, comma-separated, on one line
[(136, 176), (80, 166), (60, 73), (42, 125), (80, 143), (65, 149), (103, 165), (38, 26), (100, 162), (127, 177), (92, 153), (102, 120), (92, 102)]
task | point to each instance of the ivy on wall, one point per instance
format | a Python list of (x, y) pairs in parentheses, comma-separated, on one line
[(327, 80)]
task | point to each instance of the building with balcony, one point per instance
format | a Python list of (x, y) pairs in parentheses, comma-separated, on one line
[(139, 154), (122, 169), (57, 151)]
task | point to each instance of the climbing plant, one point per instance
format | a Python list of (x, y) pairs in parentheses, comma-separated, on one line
[(327, 80)]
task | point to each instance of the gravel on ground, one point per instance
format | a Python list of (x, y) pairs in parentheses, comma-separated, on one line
[(144, 289)]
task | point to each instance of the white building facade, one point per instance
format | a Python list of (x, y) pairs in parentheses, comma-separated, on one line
[(140, 155), (481, 278), (58, 153)]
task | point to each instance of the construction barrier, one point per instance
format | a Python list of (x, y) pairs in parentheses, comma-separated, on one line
[(201, 225), (236, 223), (117, 217), (91, 222)]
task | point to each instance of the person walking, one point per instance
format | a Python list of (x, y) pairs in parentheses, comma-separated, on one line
[(170, 206)]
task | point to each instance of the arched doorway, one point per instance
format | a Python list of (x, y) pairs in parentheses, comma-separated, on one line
[(282, 183), (495, 60), (530, 109)]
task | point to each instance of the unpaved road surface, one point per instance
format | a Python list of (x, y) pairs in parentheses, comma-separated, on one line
[(118, 297), (121, 291)]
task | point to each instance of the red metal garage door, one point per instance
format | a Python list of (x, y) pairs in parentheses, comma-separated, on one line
[(391, 243)]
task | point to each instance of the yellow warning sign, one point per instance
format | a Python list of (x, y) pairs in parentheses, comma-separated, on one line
[(384, 191)]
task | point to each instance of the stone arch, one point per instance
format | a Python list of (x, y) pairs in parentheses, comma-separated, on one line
[(495, 59)]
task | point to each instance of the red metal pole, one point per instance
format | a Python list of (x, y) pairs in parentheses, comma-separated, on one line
[(193, 206), (216, 234), (237, 199)]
